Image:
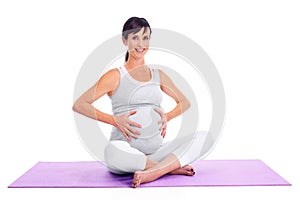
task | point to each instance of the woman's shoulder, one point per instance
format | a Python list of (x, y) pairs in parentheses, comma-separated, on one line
[(164, 77), (111, 75), (162, 74), (112, 72)]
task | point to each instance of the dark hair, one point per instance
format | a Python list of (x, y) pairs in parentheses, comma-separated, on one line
[(134, 25)]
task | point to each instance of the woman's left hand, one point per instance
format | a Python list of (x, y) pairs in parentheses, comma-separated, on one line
[(162, 121)]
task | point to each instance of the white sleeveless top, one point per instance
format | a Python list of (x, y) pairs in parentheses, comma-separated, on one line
[(142, 97)]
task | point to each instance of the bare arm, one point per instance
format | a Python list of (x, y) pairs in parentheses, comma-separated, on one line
[(106, 85), (171, 90)]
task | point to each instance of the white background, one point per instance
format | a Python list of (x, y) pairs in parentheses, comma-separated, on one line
[(255, 46)]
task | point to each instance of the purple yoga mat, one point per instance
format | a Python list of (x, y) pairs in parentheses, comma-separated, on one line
[(92, 174)]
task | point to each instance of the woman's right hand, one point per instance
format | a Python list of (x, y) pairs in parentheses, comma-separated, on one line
[(123, 123)]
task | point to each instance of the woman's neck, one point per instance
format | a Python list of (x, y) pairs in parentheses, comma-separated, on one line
[(132, 63)]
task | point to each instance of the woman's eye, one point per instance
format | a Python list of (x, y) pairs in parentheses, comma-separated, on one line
[(134, 37), (146, 38)]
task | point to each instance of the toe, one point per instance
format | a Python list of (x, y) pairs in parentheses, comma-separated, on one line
[(136, 180), (189, 168), (189, 173)]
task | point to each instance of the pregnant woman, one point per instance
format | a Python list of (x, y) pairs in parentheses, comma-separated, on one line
[(139, 123)]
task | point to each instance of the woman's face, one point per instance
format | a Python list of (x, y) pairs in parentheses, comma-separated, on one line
[(138, 43)]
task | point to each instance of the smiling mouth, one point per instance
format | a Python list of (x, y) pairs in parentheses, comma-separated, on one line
[(140, 50)]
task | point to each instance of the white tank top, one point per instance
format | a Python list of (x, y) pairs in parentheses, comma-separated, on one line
[(142, 97)]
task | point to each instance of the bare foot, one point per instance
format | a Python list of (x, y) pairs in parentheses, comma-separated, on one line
[(185, 170), (137, 179), (166, 166), (144, 177)]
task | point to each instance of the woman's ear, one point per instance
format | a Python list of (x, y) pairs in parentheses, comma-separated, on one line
[(124, 41)]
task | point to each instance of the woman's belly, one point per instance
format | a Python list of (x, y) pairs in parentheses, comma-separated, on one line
[(149, 140)]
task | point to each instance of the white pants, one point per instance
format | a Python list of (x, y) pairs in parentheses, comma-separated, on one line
[(121, 158)]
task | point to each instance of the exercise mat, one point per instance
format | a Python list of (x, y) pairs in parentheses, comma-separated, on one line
[(93, 174)]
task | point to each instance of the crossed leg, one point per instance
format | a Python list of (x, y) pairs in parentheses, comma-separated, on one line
[(185, 170), (167, 165), (185, 151), (172, 159)]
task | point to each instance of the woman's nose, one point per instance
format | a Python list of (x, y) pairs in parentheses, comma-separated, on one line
[(140, 43)]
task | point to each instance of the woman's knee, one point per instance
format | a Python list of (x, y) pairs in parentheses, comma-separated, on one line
[(191, 150), (119, 155)]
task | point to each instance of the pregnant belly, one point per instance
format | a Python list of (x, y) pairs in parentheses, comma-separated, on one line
[(150, 138)]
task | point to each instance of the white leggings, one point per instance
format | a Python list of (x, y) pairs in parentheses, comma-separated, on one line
[(121, 158)]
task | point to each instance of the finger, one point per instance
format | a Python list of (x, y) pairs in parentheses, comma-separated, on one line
[(127, 138), (161, 121), (135, 124), (131, 113), (130, 133), (163, 126), (163, 133), (125, 135), (133, 130), (158, 111)]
